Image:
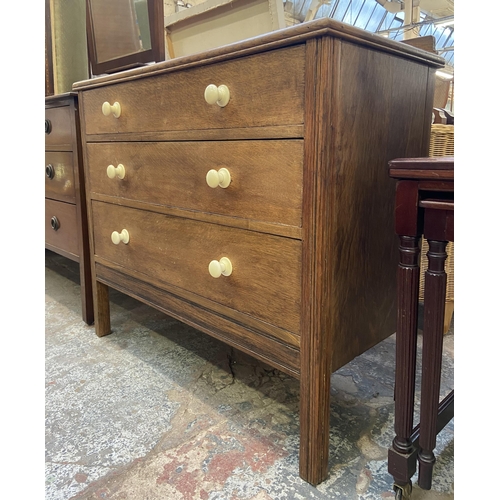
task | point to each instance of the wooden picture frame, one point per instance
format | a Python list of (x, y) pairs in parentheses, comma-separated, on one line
[(114, 29)]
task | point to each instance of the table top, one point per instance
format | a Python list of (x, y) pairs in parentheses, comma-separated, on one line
[(429, 168)]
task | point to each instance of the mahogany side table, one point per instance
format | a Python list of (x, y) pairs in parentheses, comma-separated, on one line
[(424, 208)]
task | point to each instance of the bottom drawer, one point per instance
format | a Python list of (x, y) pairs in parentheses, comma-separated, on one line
[(61, 227), (264, 280)]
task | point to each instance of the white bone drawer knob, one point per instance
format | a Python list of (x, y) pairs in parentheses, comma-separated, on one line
[(118, 171), (218, 267), (107, 109), (218, 178), (217, 95), (116, 237)]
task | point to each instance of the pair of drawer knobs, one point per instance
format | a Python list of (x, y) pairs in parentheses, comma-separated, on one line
[(214, 94), (216, 268), (215, 178)]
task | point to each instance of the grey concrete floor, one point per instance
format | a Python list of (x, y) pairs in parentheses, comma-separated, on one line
[(158, 410)]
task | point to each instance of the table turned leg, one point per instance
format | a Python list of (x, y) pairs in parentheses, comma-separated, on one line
[(434, 306), (402, 454)]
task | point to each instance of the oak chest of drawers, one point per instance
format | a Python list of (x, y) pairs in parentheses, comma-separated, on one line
[(66, 230), (245, 192)]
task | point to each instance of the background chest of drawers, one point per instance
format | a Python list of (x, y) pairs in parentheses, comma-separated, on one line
[(244, 191), (66, 226)]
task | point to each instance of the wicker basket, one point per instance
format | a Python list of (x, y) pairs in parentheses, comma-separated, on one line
[(442, 144), (442, 140)]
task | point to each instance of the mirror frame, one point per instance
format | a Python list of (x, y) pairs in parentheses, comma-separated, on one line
[(155, 54)]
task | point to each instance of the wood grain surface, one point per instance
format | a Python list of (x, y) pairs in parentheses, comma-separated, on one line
[(319, 330), (65, 239), (383, 112), (266, 176), (266, 269), (266, 90), (61, 134), (62, 185)]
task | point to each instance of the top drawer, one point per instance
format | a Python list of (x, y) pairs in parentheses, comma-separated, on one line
[(265, 90), (58, 130)]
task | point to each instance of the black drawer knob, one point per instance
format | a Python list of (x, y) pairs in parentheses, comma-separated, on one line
[(49, 171), (54, 223), (48, 127)]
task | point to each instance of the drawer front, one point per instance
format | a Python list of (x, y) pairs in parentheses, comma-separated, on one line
[(58, 130), (265, 280), (265, 90), (266, 176), (62, 232), (59, 176)]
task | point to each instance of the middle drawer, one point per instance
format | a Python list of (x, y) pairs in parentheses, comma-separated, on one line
[(265, 177), (265, 277), (60, 176)]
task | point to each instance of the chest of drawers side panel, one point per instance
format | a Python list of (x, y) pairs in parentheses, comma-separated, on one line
[(85, 269), (383, 111)]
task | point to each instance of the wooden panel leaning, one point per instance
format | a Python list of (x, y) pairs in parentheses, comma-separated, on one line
[(318, 109)]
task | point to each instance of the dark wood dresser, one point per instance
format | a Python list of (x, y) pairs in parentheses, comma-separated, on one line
[(66, 226), (244, 191)]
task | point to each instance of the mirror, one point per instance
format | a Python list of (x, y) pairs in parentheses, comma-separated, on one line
[(124, 33)]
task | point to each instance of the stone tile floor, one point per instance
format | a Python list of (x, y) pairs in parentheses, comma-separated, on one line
[(158, 410)]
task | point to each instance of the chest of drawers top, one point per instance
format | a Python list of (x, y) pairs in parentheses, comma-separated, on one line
[(267, 88)]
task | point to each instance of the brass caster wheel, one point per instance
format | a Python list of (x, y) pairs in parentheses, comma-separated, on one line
[(402, 492)]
